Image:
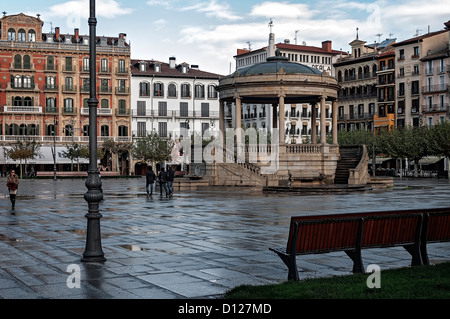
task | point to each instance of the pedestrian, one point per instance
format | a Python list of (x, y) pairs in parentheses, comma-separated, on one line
[(163, 182), (150, 181), (170, 176), (12, 182)]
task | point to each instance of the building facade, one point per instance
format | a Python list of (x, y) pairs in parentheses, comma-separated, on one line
[(416, 73), (366, 83), (172, 100), (44, 86)]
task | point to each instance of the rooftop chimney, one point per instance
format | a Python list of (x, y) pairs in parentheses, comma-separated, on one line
[(57, 34), (326, 45), (77, 35), (172, 62)]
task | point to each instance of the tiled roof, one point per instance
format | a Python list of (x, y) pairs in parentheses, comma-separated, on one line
[(306, 48), (167, 71), (417, 39)]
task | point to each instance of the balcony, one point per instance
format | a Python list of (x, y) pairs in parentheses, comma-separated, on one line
[(22, 109), (69, 88), (435, 108), (100, 111), (122, 112), (122, 90), (435, 88)]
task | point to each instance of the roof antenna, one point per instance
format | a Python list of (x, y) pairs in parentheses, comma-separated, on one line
[(249, 45), (296, 31), (379, 36), (357, 34)]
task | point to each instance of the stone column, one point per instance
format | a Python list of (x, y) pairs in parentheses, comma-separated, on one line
[(222, 119), (323, 134), (238, 119), (334, 122), (313, 123), (281, 120)]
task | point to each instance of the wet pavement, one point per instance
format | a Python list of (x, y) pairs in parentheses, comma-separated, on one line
[(197, 244)]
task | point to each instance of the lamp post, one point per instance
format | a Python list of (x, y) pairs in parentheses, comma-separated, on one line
[(54, 147), (93, 251)]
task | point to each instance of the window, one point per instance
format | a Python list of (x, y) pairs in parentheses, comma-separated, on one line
[(121, 68), (144, 89), (26, 62), (184, 110), (162, 108), (11, 34), (122, 107), (86, 85), (185, 90), (50, 105), (158, 89), (415, 87), (104, 85), (17, 61), (31, 36), (21, 35), (68, 130), (205, 109), (123, 130), (104, 65), (50, 63), (86, 64), (104, 130), (85, 130), (172, 90), (205, 127), (141, 108), (162, 129), (121, 86), (416, 52), (401, 89), (104, 104), (199, 91), (69, 66), (27, 82), (402, 54), (69, 83), (212, 92), (141, 129), (68, 105), (17, 81)]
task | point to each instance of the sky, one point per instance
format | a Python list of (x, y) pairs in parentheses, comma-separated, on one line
[(209, 32)]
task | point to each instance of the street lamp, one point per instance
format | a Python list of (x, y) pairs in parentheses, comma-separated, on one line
[(54, 147), (93, 251)]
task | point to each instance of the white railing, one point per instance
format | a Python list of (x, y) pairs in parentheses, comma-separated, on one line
[(100, 111), (22, 109)]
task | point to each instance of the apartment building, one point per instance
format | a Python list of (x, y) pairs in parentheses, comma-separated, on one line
[(418, 78), (172, 100), (44, 88), (365, 77)]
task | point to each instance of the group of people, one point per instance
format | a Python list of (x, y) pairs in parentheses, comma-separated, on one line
[(165, 180)]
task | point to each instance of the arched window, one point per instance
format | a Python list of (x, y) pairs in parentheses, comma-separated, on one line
[(85, 130), (158, 89), (50, 130), (21, 35), (68, 105), (212, 92), (17, 81), (17, 61), (31, 36), (26, 62), (340, 76), (50, 105), (11, 34), (123, 130), (68, 130), (172, 90), (104, 104), (144, 89), (50, 63), (17, 101), (185, 90), (27, 82), (28, 101), (199, 91)]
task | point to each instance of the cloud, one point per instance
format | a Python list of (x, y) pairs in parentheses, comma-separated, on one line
[(282, 10), (80, 9), (214, 9)]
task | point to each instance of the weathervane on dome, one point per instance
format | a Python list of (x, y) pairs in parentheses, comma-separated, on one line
[(271, 25)]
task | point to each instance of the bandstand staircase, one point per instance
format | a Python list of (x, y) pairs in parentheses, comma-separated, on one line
[(349, 159)]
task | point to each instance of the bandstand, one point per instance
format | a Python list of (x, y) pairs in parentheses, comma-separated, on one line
[(278, 82)]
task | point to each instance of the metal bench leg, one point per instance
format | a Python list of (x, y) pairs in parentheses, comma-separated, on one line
[(414, 250), (356, 257), (291, 263)]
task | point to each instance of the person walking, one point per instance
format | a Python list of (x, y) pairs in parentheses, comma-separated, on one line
[(163, 182), (12, 182), (170, 177), (150, 181)]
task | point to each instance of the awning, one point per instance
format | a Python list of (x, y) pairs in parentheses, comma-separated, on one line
[(45, 157)]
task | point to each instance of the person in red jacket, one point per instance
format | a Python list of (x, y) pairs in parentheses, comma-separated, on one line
[(12, 182)]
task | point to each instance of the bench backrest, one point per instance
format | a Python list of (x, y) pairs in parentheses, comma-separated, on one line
[(321, 233), (437, 227)]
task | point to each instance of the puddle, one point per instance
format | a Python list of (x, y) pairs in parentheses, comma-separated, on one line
[(134, 247)]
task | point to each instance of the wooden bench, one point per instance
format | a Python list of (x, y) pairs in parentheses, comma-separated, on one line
[(356, 231), (436, 229)]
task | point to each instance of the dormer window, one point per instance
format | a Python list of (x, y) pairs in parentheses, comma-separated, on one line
[(157, 67), (184, 68), (142, 66)]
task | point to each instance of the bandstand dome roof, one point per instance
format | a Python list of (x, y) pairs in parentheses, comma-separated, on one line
[(274, 65)]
